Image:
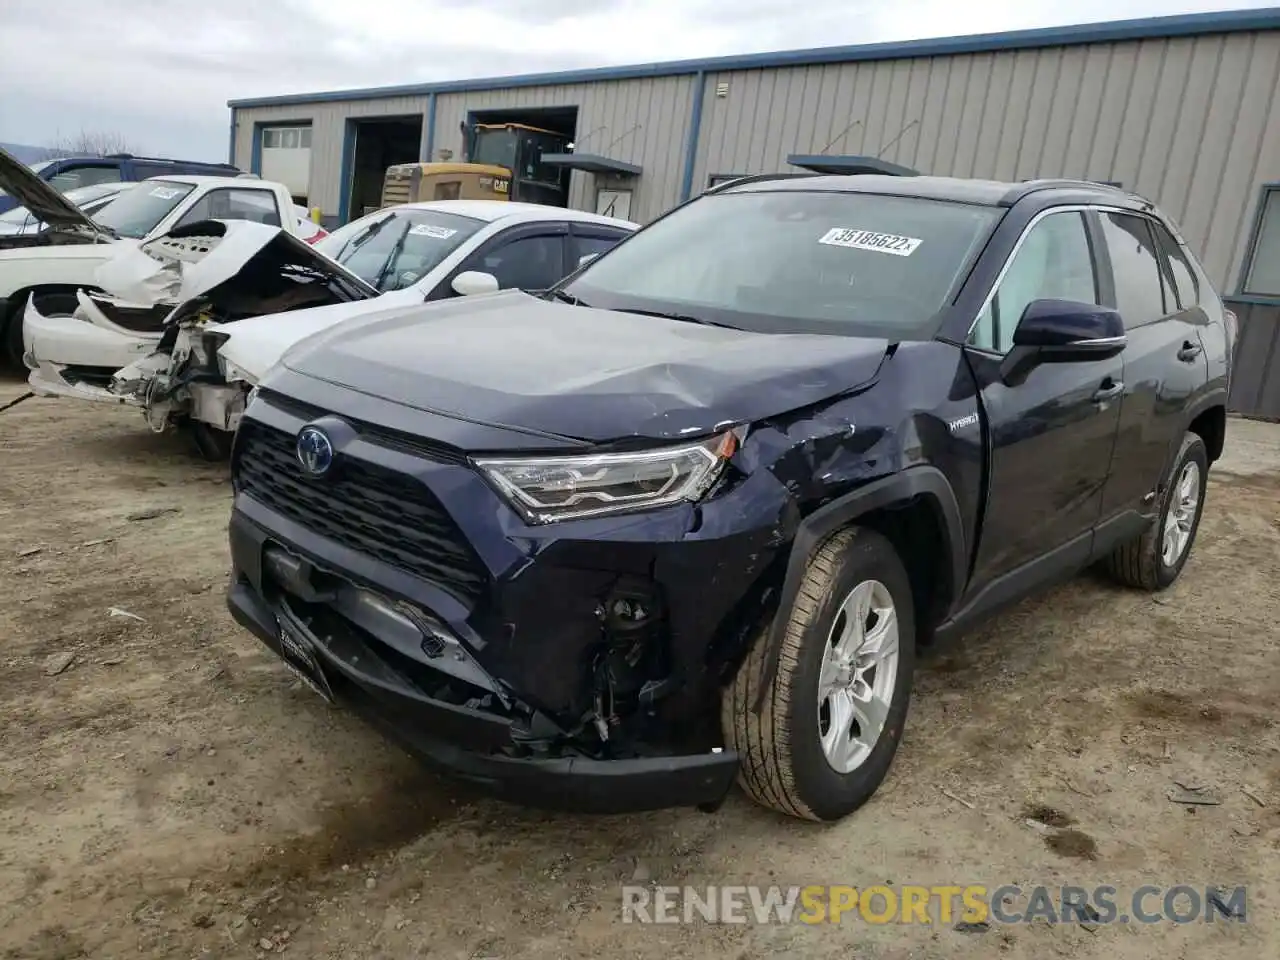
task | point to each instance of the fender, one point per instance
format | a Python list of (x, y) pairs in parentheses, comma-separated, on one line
[(822, 523), (1214, 398)]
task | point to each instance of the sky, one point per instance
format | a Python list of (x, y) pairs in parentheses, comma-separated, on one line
[(157, 74)]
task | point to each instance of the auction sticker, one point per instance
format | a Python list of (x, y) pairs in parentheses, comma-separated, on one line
[(431, 230), (869, 240)]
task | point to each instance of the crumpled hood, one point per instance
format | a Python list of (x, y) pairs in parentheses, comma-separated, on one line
[(518, 361), (46, 203), (224, 261)]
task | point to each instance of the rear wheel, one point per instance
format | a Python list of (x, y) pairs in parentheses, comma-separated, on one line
[(1154, 560), (50, 305), (834, 713)]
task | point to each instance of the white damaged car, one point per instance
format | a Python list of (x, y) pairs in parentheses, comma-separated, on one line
[(210, 307)]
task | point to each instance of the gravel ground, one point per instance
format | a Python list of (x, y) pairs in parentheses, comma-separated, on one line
[(167, 790)]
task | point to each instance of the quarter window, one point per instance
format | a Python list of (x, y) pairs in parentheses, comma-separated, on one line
[(1140, 285), (1186, 286), (1052, 262)]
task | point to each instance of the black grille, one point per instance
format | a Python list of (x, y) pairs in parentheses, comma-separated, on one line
[(378, 512), (383, 436)]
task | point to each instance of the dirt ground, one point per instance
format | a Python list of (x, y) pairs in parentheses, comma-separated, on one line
[(174, 793)]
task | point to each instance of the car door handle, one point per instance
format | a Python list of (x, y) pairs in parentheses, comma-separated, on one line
[(1109, 390), (1189, 351)]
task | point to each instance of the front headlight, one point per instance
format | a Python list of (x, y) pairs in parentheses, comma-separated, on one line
[(547, 489)]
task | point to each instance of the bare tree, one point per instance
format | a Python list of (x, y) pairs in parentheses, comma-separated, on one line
[(93, 143)]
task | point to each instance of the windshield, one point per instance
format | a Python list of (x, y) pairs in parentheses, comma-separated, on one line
[(393, 249), (788, 261), (136, 212), (497, 147)]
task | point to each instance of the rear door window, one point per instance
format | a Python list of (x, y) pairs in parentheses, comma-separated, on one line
[(1135, 266)]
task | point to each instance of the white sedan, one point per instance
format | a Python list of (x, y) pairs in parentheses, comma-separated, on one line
[(209, 315)]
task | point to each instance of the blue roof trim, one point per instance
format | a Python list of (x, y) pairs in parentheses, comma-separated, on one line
[(1231, 21)]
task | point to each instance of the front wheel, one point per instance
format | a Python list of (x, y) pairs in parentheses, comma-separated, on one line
[(213, 445), (49, 305), (1153, 560), (834, 713)]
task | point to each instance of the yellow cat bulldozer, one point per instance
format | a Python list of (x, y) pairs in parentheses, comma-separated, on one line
[(501, 161)]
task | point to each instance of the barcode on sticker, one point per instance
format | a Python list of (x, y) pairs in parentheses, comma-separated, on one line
[(869, 240), (165, 193), (431, 230)]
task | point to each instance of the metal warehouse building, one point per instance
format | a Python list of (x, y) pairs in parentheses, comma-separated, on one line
[(1181, 109)]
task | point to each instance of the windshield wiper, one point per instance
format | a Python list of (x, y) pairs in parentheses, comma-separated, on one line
[(566, 298), (396, 250), (367, 234), (683, 318)]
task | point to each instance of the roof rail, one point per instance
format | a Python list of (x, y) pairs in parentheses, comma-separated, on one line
[(134, 156), (756, 178), (1027, 187)]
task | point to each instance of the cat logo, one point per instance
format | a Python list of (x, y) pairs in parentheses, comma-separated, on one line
[(501, 185)]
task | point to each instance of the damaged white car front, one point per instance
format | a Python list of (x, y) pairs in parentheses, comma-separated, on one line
[(179, 290)]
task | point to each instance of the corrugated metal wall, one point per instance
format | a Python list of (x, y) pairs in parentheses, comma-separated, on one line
[(328, 127), (644, 122), (1193, 123)]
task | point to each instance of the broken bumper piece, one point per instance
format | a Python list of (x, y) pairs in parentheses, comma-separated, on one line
[(479, 745)]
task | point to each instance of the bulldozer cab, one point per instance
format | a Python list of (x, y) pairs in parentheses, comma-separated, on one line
[(414, 182), (502, 161), (519, 148)]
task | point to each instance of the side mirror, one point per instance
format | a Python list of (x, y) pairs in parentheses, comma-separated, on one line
[(585, 259), (469, 283), (1062, 331)]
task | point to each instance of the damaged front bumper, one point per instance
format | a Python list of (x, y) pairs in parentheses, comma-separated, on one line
[(76, 356), (573, 665), (453, 715)]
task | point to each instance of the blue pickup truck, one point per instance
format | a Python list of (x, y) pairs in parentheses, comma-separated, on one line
[(65, 173)]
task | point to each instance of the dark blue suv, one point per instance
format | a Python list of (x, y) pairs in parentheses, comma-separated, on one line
[(685, 517), (64, 173)]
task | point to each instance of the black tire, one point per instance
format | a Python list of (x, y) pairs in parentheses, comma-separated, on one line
[(50, 304), (783, 763), (213, 445), (1140, 562)]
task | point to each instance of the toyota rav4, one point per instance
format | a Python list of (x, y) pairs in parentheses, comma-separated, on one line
[(688, 516)]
